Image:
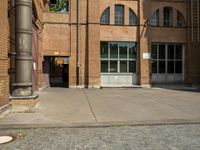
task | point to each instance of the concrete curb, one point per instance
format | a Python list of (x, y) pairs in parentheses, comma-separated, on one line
[(5, 108), (102, 124)]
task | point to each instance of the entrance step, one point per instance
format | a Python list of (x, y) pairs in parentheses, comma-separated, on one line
[(24, 106)]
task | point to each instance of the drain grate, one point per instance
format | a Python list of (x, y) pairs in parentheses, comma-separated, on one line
[(6, 139)]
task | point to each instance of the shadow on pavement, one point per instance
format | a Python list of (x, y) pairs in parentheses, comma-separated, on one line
[(178, 87)]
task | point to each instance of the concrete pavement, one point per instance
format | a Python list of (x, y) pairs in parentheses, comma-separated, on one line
[(115, 106)]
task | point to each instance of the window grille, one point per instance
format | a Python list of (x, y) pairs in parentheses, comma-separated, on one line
[(195, 23)]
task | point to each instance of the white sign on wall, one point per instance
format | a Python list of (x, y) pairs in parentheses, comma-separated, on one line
[(146, 56), (34, 66)]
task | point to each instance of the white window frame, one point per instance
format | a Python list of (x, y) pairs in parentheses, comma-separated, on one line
[(118, 59)]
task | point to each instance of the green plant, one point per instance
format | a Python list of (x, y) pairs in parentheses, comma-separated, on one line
[(60, 6)]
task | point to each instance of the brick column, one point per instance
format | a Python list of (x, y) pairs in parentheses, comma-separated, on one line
[(143, 41), (193, 53), (73, 43), (94, 43)]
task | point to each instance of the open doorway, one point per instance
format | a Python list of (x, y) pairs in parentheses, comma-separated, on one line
[(56, 71)]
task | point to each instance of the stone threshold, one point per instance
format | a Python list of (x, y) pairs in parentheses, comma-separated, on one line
[(103, 124)]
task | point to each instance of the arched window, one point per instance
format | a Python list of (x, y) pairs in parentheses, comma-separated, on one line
[(105, 17), (180, 19), (119, 14), (155, 18), (132, 17)]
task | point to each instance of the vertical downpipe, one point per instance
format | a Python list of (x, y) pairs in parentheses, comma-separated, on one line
[(78, 44), (23, 36), (198, 21), (138, 44), (191, 10)]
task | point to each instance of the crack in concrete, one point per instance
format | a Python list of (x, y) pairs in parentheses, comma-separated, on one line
[(90, 105)]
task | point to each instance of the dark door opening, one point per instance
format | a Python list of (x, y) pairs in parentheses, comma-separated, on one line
[(58, 72), (65, 72)]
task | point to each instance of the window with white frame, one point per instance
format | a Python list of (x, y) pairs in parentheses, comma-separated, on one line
[(118, 57)]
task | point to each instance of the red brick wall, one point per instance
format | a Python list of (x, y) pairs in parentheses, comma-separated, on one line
[(4, 78), (38, 37), (193, 53), (60, 31)]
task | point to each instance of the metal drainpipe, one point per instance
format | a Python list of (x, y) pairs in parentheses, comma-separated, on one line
[(138, 43), (78, 43), (23, 60)]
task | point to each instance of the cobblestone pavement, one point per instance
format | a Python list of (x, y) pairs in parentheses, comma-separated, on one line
[(165, 137)]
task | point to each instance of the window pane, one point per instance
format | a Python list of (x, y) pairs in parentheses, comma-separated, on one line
[(161, 51), (132, 66), (132, 18), (105, 18), (155, 18), (161, 66), (170, 67), (178, 51), (123, 66), (104, 66), (123, 50), (178, 67), (167, 16), (104, 50), (119, 15), (180, 19), (154, 53), (113, 50), (132, 50), (154, 66), (113, 66), (170, 51)]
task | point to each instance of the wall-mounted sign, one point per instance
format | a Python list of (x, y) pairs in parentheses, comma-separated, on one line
[(34, 66), (56, 53), (146, 56)]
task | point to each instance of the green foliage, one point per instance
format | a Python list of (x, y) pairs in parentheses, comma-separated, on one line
[(59, 6)]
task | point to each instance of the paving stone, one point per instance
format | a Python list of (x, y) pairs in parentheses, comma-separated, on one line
[(166, 137)]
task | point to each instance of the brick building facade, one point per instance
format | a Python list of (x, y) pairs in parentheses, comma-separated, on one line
[(4, 61), (8, 52), (193, 56), (122, 43), (96, 43)]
